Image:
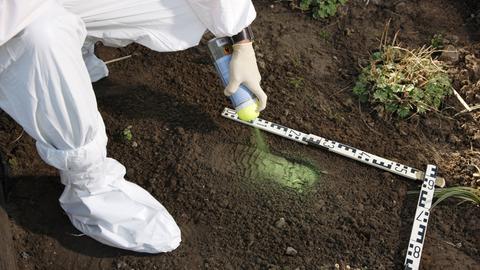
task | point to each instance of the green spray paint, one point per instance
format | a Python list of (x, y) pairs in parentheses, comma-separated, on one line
[(260, 163), (260, 140)]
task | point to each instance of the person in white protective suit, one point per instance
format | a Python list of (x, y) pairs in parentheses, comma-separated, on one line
[(46, 69)]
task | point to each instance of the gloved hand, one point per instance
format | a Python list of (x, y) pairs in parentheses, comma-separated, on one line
[(244, 69)]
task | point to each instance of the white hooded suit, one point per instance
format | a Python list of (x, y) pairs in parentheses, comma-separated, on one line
[(46, 68)]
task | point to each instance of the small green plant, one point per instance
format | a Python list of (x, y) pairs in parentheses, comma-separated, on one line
[(465, 194), (321, 9), (296, 61), (127, 134), (296, 82), (437, 41), (12, 162), (324, 35), (402, 82)]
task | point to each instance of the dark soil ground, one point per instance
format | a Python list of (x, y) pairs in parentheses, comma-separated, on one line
[(188, 156)]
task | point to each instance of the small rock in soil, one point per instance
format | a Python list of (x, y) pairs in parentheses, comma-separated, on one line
[(25, 255), (181, 131), (261, 64), (280, 223), (450, 54), (291, 251), (121, 265), (319, 204), (348, 102)]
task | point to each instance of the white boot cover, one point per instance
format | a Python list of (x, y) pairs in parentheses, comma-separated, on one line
[(116, 212), (106, 207)]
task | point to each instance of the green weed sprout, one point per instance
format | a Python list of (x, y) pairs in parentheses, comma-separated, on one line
[(13, 162), (296, 82), (127, 134), (437, 41), (324, 35), (398, 81), (321, 9), (465, 194)]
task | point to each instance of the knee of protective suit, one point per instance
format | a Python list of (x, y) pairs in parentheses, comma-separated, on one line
[(48, 31)]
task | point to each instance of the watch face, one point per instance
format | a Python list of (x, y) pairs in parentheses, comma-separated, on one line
[(228, 49), (219, 47)]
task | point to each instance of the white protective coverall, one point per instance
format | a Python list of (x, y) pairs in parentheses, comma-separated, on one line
[(45, 86)]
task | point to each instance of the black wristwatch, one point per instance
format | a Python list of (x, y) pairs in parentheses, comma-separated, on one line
[(245, 34)]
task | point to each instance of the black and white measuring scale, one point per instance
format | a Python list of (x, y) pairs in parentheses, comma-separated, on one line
[(335, 147), (419, 228)]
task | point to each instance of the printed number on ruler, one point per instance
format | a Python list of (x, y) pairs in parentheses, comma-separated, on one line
[(422, 213)]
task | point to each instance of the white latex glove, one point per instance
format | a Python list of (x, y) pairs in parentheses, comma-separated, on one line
[(244, 70)]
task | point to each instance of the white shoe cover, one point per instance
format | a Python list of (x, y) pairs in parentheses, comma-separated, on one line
[(106, 207), (116, 212)]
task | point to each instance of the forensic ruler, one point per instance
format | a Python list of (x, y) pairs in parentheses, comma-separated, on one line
[(333, 146), (419, 228)]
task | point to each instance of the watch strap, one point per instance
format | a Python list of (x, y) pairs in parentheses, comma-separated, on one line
[(245, 34)]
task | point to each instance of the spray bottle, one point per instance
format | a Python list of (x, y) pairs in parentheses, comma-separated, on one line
[(243, 100)]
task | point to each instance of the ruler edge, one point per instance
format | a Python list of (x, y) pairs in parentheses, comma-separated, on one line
[(440, 181)]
